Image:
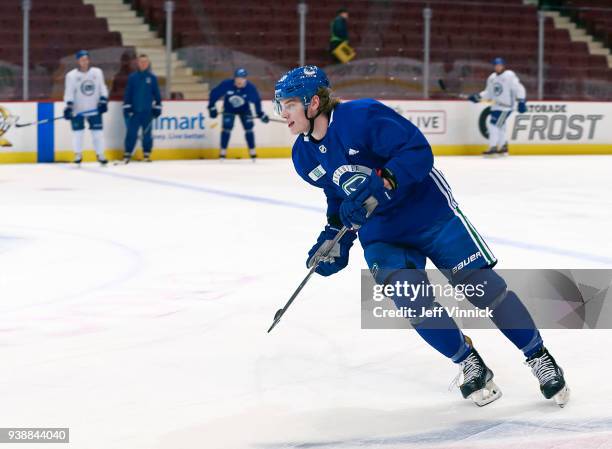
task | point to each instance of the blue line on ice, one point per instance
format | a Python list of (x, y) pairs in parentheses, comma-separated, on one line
[(274, 202)]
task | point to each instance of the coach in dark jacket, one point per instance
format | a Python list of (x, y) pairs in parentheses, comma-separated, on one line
[(141, 105)]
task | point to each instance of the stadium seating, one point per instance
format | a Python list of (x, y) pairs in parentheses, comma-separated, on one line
[(58, 29), (595, 15), (463, 40), (463, 35)]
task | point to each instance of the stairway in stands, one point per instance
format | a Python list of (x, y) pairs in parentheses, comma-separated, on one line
[(580, 35), (135, 32), (589, 21), (58, 29)]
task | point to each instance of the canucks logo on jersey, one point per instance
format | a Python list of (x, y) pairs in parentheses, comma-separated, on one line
[(353, 183), (236, 101), (498, 89), (353, 176), (88, 87)]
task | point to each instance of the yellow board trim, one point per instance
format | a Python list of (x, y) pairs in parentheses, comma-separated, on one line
[(163, 154), (285, 152), (526, 149), (18, 158), (561, 149)]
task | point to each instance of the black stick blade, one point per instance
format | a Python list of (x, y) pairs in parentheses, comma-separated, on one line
[(277, 316), (442, 84)]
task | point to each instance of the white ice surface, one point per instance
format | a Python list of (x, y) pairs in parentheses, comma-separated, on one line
[(134, 304)]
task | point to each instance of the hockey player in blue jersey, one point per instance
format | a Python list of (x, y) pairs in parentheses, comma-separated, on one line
[(237, 94), (376, 170), (141, 105)]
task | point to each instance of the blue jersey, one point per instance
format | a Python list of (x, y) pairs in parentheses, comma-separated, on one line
[(236, 101), (142, 92), (365, 135)]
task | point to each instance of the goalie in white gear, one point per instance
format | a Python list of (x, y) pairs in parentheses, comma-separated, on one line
[(86, 97), (504, 89)]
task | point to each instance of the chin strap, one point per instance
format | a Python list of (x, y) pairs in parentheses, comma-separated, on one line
[(311, 120)]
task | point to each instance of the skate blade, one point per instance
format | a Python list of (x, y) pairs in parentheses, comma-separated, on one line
[(562, 397), (488, 394)]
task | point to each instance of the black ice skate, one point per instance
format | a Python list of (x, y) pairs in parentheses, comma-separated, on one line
[(78, 159), (504, 149), (254, 158), (491, 152), (124, 161), (477, 382), (550, 375), (147, 157), (102, 160)]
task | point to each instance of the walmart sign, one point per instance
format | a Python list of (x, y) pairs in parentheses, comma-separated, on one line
[(180, 123)]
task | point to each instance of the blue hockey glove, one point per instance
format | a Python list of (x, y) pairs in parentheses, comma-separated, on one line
[(522, 106), (357, 206), (68, 111), (474, 98), (212, 112), (127, 112), (157, 110), (264, 117), (338, 257), (103, 105)]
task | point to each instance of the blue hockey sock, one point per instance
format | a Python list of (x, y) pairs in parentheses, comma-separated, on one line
[(443, 335), (508, 312), (225, 136), (431, 321), (515, 322), (250, 138)]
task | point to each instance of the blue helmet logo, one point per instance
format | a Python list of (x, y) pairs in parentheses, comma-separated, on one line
[(241, 73), (310, 70), (302, 82)]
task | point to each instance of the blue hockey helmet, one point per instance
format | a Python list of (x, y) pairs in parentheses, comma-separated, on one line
[(241, 73), (81, 53), (499, 60), (302, 82)]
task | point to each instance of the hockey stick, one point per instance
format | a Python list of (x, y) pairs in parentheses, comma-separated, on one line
[(444, 89), (459, 95), (370, 204), (40, 122), (276, 120), (280, 312)]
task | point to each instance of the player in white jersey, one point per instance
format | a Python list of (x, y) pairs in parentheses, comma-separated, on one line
[(504, 89), (86, 97)]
